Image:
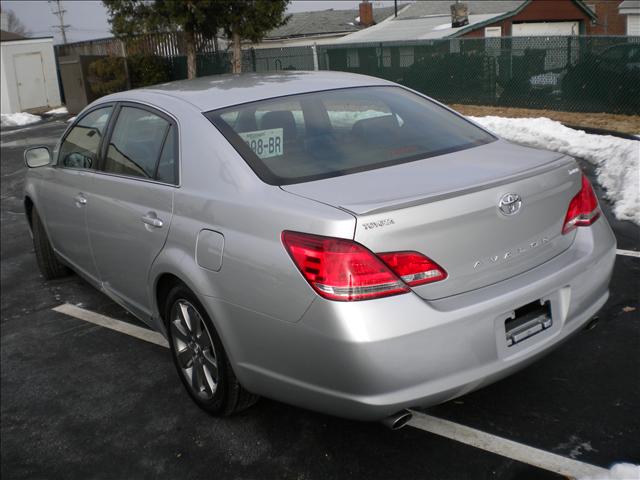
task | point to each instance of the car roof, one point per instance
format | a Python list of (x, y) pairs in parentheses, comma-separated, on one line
[(219, 91)]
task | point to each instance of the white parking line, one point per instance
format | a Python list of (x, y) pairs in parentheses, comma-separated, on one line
[(113, 324), (628, 253), (506, 448), (445, 428)]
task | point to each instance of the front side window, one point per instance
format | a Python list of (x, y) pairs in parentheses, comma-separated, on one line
[(325, 134), (136, 144), (79, 148)]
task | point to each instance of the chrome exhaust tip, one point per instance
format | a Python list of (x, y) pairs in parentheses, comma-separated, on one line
[(397, 420), (591, 324)]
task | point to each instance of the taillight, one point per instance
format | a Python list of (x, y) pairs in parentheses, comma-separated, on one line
[(583, 209), (413, 267), (341, 269)]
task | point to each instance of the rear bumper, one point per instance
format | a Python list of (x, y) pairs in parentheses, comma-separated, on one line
[(367, 360)]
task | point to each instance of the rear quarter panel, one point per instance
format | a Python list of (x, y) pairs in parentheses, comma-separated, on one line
[(219, 192)]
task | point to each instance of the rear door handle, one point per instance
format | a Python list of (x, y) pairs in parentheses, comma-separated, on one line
[(80, 200), (152, 220)]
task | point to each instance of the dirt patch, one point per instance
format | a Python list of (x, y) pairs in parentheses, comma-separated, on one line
[(629, 124)]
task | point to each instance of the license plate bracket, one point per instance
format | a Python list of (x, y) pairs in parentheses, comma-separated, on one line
[(527, 321)]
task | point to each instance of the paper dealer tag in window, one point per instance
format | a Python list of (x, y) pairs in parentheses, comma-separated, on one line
[(264, 143)]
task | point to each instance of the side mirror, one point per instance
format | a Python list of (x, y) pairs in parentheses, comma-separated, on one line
[(37, 157)]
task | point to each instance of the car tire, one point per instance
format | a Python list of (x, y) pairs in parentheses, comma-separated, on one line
[(48, 263), (197, 350)]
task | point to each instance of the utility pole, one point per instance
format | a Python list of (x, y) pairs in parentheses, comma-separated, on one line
[(60, 14)]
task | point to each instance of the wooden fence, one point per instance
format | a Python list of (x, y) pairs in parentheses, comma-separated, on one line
[(170, 44)]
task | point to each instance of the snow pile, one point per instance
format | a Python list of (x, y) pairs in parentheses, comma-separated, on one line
[(617, 159), (620, 471), (58, 111), (17, 119)]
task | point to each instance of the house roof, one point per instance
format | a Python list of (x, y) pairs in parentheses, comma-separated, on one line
[(476, 7), (629, 6), (432, 20), (8, 36), (304, 24), (431, 27)]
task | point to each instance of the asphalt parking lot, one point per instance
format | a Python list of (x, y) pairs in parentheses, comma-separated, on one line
[(83, 401)]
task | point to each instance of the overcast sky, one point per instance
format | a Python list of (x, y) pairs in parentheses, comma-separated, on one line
[(88, 18)]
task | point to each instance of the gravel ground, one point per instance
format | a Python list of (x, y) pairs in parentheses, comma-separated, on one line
[(629, 124)]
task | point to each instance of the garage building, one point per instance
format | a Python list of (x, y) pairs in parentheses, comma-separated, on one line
[(28, 77)]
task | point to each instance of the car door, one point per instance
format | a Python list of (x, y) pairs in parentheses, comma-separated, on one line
[(65, 193), (133, 188)]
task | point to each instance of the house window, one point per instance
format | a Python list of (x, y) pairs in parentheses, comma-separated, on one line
[(386, 57), (406, 56), (353, 61), (633, 24), (492, 40)]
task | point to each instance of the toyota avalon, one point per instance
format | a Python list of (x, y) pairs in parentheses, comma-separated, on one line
[(329, 240)]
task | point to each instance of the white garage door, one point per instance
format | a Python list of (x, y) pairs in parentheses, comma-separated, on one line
[(633, 24), (543, 29), (30, 78)]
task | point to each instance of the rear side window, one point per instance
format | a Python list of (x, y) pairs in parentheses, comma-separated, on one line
[(168, 164), (325, 134), (79, 148), (136, 145)]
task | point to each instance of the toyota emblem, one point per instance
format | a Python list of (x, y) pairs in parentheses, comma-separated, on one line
[(510, 204)]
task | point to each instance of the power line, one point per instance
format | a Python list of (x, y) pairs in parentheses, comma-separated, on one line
[(60, 14)]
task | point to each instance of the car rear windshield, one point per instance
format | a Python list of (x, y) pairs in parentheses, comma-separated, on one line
[(301, 138)]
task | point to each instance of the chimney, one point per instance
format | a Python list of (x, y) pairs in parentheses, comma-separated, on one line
[(459, 15), (366, 14)]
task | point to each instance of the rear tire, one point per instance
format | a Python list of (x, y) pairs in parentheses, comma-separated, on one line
[(197, 351), (48, 263)]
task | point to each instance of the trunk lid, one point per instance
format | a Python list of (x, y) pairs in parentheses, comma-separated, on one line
[(446, 208)]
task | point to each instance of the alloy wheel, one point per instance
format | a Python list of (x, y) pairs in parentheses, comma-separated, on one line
[(195, 352)]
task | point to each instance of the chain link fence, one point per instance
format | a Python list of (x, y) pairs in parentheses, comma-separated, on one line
[(576, 74), (253, 60), (581, 74)]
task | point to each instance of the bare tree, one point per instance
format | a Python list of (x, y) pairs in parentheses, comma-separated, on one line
[(13, 23)]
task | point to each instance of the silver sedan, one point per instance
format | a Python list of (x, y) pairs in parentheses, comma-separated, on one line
[(329, 240)]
